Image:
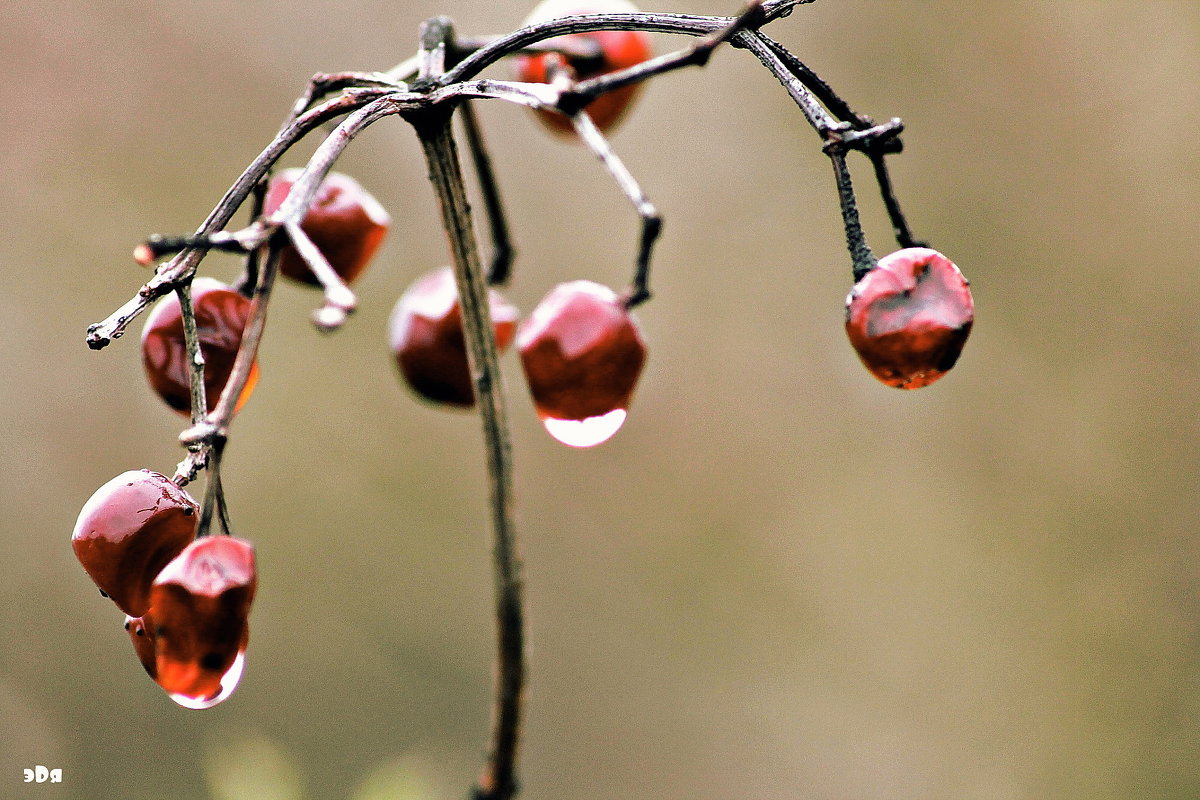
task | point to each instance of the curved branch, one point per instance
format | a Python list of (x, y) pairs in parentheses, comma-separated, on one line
[(687, 24), (183, 266)]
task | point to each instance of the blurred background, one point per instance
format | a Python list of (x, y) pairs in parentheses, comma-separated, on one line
[(781, 579)]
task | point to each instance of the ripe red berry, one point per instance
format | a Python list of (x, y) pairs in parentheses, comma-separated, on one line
[(909, 317), (131, 528), (582, 353), (201, 602), (221, 316), (617, 50), (344, 221), (427, 337)]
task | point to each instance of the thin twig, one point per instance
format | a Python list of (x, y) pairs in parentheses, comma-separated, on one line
[(815, 84), (215, 425), (639, 290), (191, 345), (183, 266), (861, 259), (245, 283), (696, 55), (197, 457), (687, 24), (325, 83), (339, 298), (577, 50), (904, 236), (502, 249), (214, 495), (816, 114)]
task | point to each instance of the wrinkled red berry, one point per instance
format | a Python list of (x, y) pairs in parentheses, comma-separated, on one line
[(201, 602), (909, 317), (221, 316), (582, 353), (131, 528), (344, 221), (427, 337), (618, 50)]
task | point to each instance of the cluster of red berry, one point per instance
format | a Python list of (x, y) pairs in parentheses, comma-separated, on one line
[(186, 599), (187, 595), (581, 348)]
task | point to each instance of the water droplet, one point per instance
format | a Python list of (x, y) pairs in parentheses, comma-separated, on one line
[(585, 432), (229, 682)]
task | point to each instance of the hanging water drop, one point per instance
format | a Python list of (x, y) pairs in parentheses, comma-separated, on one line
[(585, 432), (229, 682)]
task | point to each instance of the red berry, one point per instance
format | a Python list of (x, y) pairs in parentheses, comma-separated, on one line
[(221, 316), (909, 317), (618, 50), (131, 528), (201, 602), (582, 353), (427, 337), (140, 630), (345, 223)]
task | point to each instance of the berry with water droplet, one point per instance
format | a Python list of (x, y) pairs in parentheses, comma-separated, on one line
[(909, 317), (427, 337), (582, 353), (221, 316), (344, 221), (131, 528), (614, 50), (201, 602)]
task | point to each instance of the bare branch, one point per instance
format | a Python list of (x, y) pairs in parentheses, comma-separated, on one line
[(183, 266), (499, 781), (215, 425), (638, 291), (339, 298), (697, 55), (502, 249), (686, 24), (191, 344)]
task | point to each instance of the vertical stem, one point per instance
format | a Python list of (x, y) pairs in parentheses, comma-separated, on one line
[(191, 342), (498, 781), (861, 257), (214, 495)]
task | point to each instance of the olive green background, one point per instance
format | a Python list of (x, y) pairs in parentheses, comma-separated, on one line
[(781, 579)]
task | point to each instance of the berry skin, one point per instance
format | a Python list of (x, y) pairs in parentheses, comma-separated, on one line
[(140, 630), (619, 50), (427, 338), (582, 353), (345, 223), (221, 316), (909, 317), (130, 529), (201, 602)]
